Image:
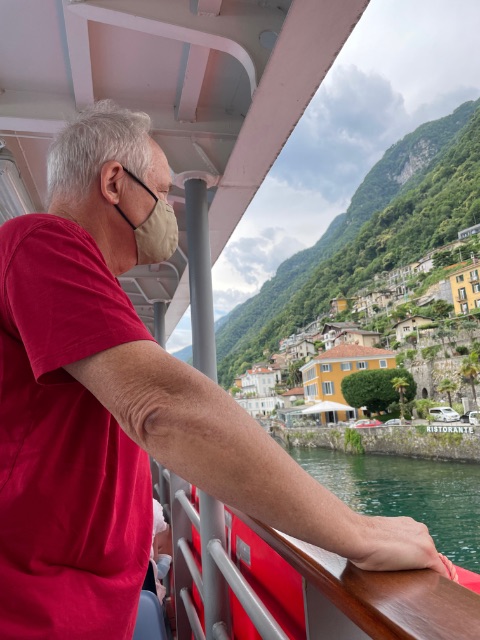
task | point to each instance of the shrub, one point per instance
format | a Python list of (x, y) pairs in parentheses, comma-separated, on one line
[(400, 359), (462, 350), (411, 338), (422, 407), (429, 325), (354, 439), (476, 345), (429, 353), (410, 354)]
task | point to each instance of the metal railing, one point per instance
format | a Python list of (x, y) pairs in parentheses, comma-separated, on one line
[(340, 601)]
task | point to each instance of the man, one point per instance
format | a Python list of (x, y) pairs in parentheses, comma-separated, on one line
[(85, 394)]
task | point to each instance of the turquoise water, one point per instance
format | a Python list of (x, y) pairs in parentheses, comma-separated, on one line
[(443, 495)]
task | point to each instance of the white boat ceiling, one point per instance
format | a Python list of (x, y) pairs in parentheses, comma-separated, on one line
[(222, 101)]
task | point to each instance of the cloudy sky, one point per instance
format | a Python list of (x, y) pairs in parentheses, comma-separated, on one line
[(407, 62)]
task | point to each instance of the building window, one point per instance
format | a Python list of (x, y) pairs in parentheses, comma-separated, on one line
[(464, 307), (462, 294), (362, 365), (311, 390), (477, 303), (383, 364), (476, 287), (346, 366), (407, 329), (459, 278), (474, 274), (326, 367), (310, 374), (328, 388)]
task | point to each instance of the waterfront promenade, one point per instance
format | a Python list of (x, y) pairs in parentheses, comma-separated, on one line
[(453, 441)]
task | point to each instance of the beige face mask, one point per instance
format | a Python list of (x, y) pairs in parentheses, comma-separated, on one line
[(157, 237)]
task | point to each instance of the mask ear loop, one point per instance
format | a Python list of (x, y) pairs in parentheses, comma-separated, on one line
[(124, 216), (134, 177)]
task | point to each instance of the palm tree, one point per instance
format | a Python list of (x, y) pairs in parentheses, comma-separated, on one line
[(447, 386), (400, 385), (470, 370)]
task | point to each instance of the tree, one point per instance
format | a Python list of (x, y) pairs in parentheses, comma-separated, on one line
[(469, 326), (374, 390), (400, 385), (445, 333), (441, 308), (294, 378), (470, 370), (447, 386)]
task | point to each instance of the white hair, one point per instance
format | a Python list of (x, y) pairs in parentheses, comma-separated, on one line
[(100, 133)]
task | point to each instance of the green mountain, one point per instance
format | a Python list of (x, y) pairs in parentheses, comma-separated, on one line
[(411, 200)]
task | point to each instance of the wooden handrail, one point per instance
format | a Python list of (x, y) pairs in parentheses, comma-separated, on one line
[(400, 605)]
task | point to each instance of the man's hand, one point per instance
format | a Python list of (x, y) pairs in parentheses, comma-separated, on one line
[(399, 544)]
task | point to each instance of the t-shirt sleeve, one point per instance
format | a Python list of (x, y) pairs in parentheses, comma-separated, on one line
[(64, 302)]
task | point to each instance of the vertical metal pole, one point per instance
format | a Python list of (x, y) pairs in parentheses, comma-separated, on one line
[(159, 311), (212, 523)]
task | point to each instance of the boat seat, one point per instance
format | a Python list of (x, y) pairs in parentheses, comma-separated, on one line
[(150, 624)]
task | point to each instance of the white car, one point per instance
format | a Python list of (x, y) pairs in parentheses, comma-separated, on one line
[(444, 414), (474, 418)]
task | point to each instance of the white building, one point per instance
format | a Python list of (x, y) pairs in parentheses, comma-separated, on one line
[(409, 325), (260, 406), (260, 381)]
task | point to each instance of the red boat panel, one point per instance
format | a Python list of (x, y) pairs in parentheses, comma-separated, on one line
[(276, 583), (468, 579)]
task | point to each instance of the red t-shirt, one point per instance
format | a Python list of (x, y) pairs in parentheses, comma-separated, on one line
[(75, 491)]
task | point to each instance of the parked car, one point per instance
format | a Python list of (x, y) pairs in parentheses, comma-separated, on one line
[(465, 417), (474, 417), (367, 422), (395, 422), (444, 414)]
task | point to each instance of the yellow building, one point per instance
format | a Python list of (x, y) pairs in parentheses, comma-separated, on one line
[(322, 377), (465, 285), (337, 305)]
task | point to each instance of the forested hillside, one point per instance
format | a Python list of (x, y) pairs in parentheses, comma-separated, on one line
[(402, 166), (445, 198)]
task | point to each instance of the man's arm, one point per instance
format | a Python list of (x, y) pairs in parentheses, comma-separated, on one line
[(190, 425)]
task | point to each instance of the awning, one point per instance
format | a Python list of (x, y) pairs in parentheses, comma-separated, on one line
[(327, 405)]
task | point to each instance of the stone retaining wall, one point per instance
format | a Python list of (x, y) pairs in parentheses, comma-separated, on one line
[(412, 441)]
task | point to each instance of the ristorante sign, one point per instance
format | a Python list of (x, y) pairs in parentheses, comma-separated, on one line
[(436, 429)]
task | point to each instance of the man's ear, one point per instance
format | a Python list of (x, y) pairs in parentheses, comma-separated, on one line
[(111, 181)]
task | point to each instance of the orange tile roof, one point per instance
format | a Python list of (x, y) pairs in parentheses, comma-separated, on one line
[(353, 351), (296, 391)]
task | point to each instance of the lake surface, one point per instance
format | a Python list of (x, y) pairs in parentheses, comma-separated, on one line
[(443, 495)]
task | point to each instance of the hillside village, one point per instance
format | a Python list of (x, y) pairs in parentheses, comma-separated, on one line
[(424, 316)]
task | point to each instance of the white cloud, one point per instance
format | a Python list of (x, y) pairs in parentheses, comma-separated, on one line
[(426, 49), (256, 250), (226, 300)]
